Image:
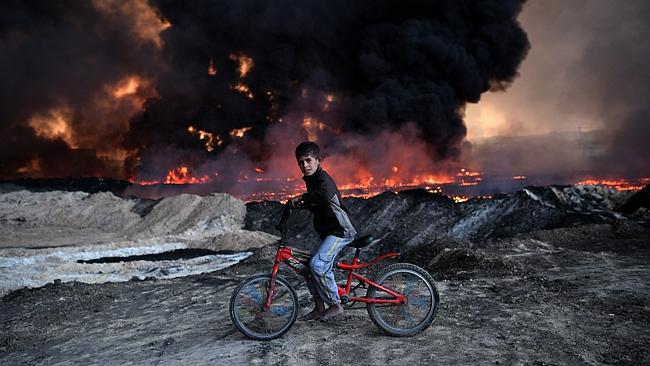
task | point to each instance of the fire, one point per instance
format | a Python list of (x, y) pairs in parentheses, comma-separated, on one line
[(54, 125), (259, 170), (519, 177), (468, 178), (33, 166), (181, 175), (244, 90), (240, 132), (467, 173), (143, 19), (312, 126), (245, 63), (329, 98), (245, 66), (211, 139), (376, 186), (458, 199), (212, 68), (619, 184), (126, 87)]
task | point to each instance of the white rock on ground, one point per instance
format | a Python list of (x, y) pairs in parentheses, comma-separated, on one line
[(43, 234)]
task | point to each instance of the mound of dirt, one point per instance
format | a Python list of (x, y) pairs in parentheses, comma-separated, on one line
[(46, 236), (458, 259), (103, 211), (191, 216), (59, 218), (417, 217), (638, 206)]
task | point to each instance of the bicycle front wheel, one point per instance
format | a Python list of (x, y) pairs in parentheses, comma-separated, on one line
[(421, 305), (247, 308)]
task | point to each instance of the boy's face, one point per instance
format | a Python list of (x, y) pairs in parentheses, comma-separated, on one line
[(308, 164)]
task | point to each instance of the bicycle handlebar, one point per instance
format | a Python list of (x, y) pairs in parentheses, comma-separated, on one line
[(282, 225)]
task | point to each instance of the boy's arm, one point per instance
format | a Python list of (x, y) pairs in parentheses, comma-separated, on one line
[(320, 195)]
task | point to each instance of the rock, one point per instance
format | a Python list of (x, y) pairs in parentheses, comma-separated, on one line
[(417, 217), (237, 241)]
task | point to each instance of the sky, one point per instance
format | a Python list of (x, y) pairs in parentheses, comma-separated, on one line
[(586, 72), (558, 88)]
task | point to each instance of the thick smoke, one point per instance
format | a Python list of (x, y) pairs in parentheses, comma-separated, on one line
[(360, 77), (613, 80), (60, 62), (388, 65), (580, 108)]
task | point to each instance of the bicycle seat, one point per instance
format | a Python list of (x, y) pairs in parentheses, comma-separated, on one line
[(362, 242)]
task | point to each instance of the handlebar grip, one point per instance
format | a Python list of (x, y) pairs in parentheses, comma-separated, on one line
[(283, 220)]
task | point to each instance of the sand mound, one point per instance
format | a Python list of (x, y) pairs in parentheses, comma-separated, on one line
[(44, 234), (80, 210), (57, 218), (417, 217), (192, 216)]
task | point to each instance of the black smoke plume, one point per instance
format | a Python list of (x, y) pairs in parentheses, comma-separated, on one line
[(58, 62), (381, 68), (388, 64)]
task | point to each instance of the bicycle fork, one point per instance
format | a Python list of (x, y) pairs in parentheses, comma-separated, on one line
[(271, 291)]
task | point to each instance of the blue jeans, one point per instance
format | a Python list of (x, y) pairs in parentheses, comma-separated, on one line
[(323, 283)]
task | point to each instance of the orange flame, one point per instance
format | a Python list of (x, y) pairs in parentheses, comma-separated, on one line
[(32, 167), (211, 139), (145, 22), (619, 184), (312, 126), (240, 132), (126, 87), (458, 199), (181, 175), (212, 68), (245, 63), (244, 90), (54, 125), (329, 98)]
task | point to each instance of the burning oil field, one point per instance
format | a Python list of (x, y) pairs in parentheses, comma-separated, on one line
[(148, 146)]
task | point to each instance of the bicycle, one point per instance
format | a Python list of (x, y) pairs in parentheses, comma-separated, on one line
[(402, 300)]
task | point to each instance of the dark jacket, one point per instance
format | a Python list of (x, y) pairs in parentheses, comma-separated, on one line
[(324, 201)]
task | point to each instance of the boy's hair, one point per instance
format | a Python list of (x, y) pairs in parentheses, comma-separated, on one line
[(308, 148)]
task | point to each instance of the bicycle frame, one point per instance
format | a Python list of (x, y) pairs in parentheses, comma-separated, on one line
[(296, 259)]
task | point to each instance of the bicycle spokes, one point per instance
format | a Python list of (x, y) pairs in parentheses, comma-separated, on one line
[(250, 314), (418, 300)]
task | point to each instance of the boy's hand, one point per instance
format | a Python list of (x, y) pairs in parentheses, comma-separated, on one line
[(294, 202)]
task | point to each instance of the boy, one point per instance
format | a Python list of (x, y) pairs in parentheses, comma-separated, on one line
[(331, 222)]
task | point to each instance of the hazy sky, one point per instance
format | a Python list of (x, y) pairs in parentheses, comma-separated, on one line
[(584, 54)]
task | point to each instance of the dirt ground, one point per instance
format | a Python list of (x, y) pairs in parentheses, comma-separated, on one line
[(556, 297)]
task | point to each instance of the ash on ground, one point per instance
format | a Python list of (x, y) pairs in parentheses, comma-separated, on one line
[(547, 276)]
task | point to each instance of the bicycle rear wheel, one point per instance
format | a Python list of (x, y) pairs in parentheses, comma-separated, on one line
[(420, 308), (247, 308)]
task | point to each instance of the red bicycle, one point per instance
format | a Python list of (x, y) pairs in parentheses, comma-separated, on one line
[(402, 300)]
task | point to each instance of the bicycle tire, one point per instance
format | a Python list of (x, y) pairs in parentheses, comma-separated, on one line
[(260, 282), (385, 322)]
